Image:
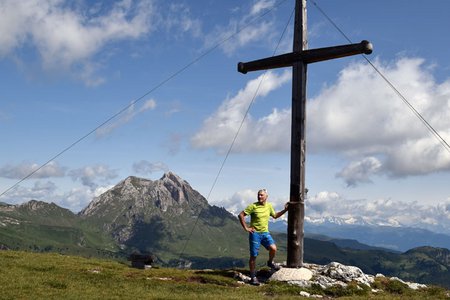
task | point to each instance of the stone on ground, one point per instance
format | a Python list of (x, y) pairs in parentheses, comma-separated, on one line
[(291, 274)]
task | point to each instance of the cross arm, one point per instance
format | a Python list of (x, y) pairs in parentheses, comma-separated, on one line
[(307, 56)]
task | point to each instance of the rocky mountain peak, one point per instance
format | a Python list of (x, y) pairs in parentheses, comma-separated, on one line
[(136, 202), (34, 205), (174, 188), (173, 178), (41, 207)]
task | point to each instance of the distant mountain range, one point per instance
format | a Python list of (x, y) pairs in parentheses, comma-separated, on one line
[(394, 238), (170, 219)]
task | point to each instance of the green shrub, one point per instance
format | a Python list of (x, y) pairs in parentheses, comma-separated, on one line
[(352, 289), (396, 287)]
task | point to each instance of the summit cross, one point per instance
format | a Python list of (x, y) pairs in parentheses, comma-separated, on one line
[(298, 59)]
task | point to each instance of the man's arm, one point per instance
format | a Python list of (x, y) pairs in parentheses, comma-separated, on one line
[(244, 224), (282, 212)]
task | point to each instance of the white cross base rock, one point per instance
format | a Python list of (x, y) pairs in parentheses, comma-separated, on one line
[(291, 274)]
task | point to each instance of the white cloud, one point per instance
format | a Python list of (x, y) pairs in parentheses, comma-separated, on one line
[(65, 36), (91, 174), (75, 199), (125, 117), (42, 191), (260, 6), (381, 211), (376, 211), (149, 104), (239, 200), (359, 117), (253, 33), (44, 187), (360, 171), (145, 167), (78, 198), (266, 133), (179, 19), (52, 169)]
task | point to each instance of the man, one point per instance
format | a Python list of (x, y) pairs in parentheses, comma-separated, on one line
[(258, 230)]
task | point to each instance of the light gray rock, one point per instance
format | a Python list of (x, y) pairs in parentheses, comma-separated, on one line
[(411, 285), (326, 276), (346, 274), (292, 274), (305, 294)]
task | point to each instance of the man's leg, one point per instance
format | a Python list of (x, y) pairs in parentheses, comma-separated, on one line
[(252, 266), (272, 252), (254, 241), (270, 245)]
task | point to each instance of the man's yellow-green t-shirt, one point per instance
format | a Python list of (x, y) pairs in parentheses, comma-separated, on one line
[(259, 215)]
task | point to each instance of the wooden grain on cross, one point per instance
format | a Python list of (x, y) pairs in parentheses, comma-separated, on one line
[(298, 59)]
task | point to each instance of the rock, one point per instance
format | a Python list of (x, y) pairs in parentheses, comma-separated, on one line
[(346, 274), (325, 276), (304, 294), (333, 274), (241, 277), (291, 274), (411, 285)]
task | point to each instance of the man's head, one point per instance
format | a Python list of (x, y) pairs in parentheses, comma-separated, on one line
[(262, 196)]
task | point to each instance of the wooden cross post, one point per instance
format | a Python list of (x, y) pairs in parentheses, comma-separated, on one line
[(298, 60)]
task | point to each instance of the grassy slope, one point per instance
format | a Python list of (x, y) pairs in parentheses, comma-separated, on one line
[(418, 265), (75, 239), (215, 242), (25, 275)]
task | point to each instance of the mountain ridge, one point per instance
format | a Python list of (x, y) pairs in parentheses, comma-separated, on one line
[(396, 238), (170, 219), (160, 216)]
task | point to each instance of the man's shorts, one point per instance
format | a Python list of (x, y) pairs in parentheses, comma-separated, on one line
[(259, 238)]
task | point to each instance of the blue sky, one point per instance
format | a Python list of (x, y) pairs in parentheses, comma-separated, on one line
[(169, 67)]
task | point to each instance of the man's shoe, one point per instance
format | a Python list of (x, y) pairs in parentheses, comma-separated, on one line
[(273, 266), (254, 281)]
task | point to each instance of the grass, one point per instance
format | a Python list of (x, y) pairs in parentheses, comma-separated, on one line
[(27, 275)]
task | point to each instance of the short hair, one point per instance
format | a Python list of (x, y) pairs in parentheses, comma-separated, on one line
[(263, 190)]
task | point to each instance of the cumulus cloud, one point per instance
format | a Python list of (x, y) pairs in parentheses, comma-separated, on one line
[(90, 175), (78, 198), (66, 35), (360, 171), (22, 170), (40, 190), (358, 117), (145, 167), (125, 117), (376, 211), (361, 116), (75, 199), (266, 134), (253, 33), (380, 211), (239, 200)]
